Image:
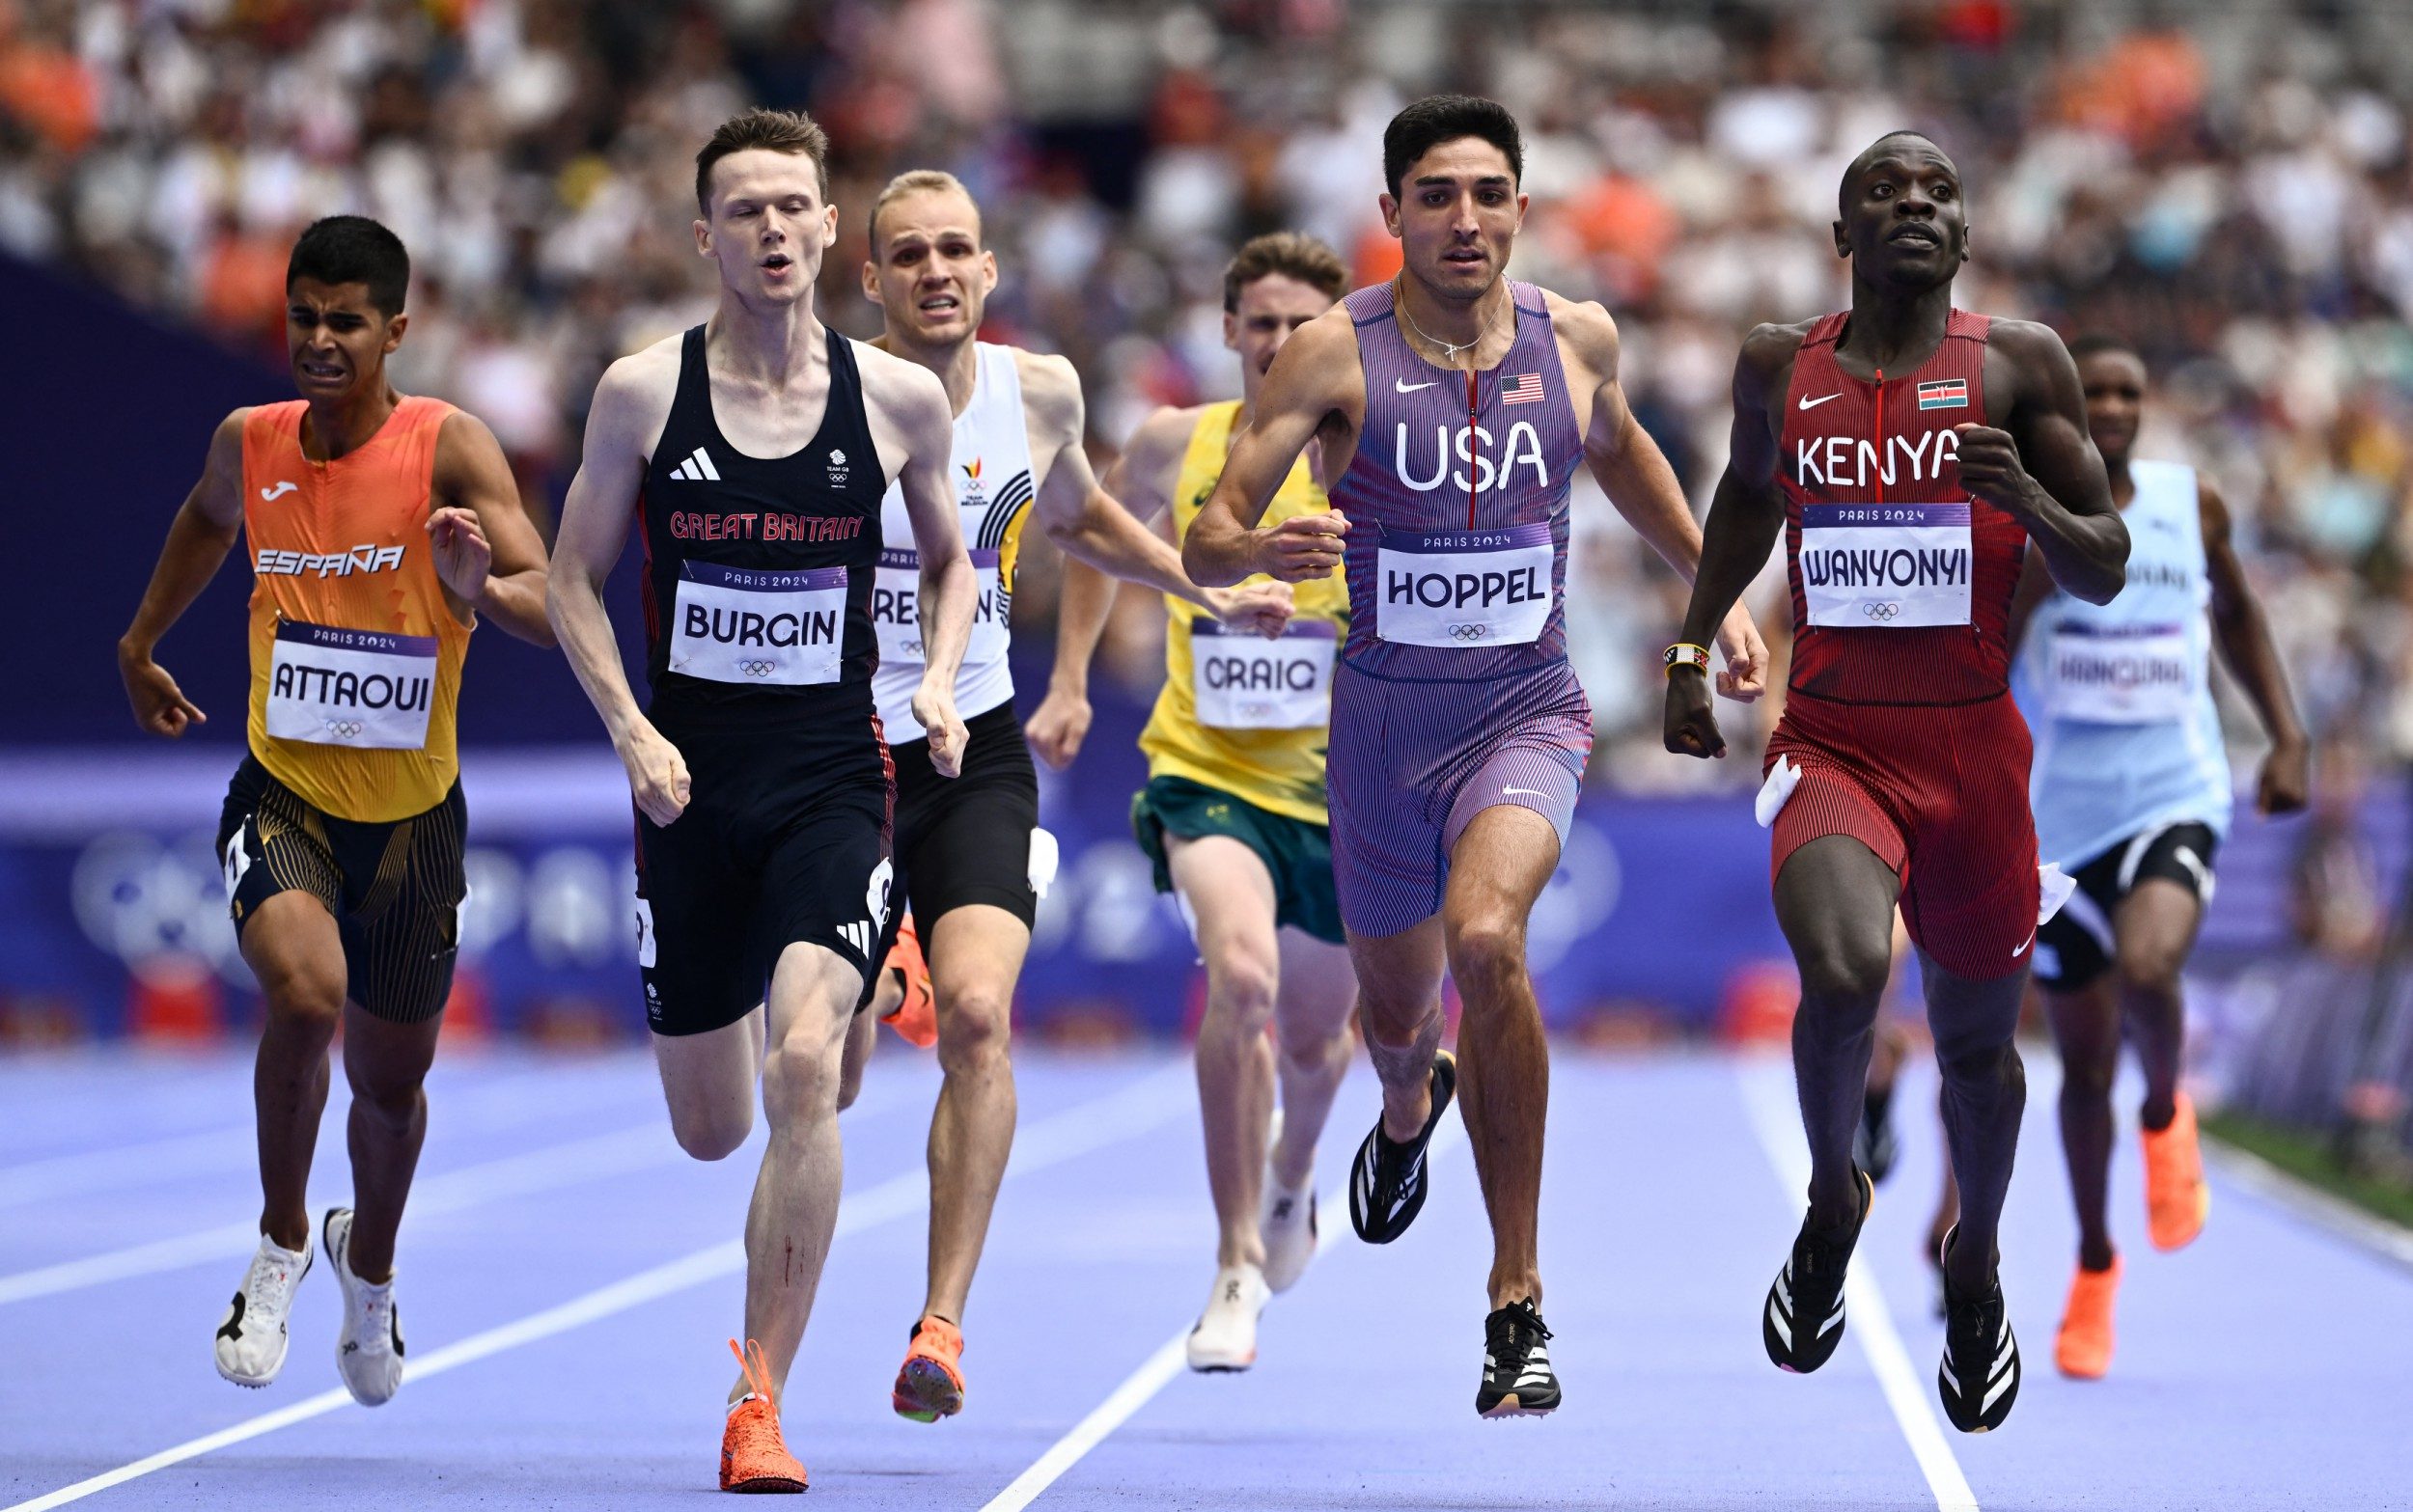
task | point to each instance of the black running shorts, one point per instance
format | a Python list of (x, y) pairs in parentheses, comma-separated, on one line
[(395, 889), (2076, 945), (785, 839), (967, 840)]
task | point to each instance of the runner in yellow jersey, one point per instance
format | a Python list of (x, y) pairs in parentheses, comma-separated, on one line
[(381, 525), (1233, 816)]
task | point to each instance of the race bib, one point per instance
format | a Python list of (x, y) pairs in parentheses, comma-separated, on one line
[(1244, 681), (736, 624), (1886, 566), (1464, 589), (897, 609), (366, 689), (2125, 675)]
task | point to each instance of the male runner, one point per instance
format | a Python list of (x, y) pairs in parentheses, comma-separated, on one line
[(1458, 404), (1898, 770), (754, 451), (1234, 816), (2131, 796), (970, 856), (381, 525)]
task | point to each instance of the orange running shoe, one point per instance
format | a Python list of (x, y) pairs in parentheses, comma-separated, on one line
[(2083, 1348), (2177, 1198), (929, 1385), (916, 1019), (754, 1457)]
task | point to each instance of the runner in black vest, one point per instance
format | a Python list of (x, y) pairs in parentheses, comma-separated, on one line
[(762, 784)]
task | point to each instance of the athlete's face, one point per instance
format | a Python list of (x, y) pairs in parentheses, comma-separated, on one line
[(929, 272), (1271, 308), (2114, 382), (1902, 220), (769, 226), (335, 338), (1457, 217)]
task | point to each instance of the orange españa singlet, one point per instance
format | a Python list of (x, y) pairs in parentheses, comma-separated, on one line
[(355, 652)]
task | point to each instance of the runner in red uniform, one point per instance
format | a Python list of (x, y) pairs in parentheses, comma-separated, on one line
[(1909, 450)]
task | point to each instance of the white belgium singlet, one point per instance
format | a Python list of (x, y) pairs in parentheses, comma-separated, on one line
[(992, 473)]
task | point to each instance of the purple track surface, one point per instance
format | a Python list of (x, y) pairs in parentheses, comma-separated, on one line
[(2261, 1368)]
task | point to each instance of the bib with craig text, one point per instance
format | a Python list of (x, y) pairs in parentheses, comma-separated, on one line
[(1464, 587), (1241, 680), (736, 624)]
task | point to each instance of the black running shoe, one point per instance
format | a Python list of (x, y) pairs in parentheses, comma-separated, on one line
[(1804, 1320), (1874, 1148), (1979, 1379), (1387, 1182), (1517, 1381)]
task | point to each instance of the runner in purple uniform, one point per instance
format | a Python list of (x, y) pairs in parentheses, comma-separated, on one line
[(1460, 403)]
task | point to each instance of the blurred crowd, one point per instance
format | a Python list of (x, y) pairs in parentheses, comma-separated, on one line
[(2234, 192)]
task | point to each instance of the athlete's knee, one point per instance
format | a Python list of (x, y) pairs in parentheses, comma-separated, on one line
[(1487, 950), (713, 1132), (800, 1076), (391, 1096), (1980, 1066), (302, 995), (975, 1028), (2149, 967), (1241, 984), (1839, 966)]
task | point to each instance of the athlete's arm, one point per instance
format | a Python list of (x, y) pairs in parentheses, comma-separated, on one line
[(632, 403), (2044, 470), (2243, 631), (199, 537), (489, 555), (1634, 472), (1745, 515), (910, 416), (1315, 379)]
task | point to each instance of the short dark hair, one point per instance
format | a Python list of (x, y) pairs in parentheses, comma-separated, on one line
[(1445, 118), (1290, 253), (353, 248), (771, 130), (1868, 154), (2095, 343)]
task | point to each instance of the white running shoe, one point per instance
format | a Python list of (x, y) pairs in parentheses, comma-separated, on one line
[(1226, 1335), (250, 1345), (1287, 1223), (369, 1353)]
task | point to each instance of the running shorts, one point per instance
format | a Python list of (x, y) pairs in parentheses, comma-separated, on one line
[(395, 889), (2076, 946), (785, 841), (1297, 855), (974, 837), (1413, 762), (1940, 793)]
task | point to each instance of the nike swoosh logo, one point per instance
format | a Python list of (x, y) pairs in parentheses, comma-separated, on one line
[(1405, 387), (2024, 943), (268, 495), (1529, 792), (1807, 402)]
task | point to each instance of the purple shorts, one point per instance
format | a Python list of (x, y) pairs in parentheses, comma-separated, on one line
[(1413, 762)]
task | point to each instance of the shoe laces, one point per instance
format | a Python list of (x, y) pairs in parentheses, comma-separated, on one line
[(1511, 1332), (1974, 1323), (268, 1276), (376, 1316), (756, 1366)]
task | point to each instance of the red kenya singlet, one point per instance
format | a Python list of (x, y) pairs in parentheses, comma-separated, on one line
[(1902, 583)]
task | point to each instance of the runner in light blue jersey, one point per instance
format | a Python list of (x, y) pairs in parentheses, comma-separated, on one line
[(2131, 792)]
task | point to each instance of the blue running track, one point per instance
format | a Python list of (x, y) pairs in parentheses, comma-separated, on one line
[(568, 1277)]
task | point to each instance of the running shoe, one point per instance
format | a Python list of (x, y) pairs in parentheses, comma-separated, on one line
[(1517, 1381), (1804, 1319), (1874, 1146), (368, 1352), (754, 1456), (2176, 1199), (1226, 1335), (250, 1345), (1287, 1225), (916, 1017), (929, 1383), (1387, 1188), (2083, 1348), (1979, 1379)]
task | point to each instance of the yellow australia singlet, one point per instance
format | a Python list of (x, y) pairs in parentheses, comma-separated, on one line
[(355, 652), (1268, 702)]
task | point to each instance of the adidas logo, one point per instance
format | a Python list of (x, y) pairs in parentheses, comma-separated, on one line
[(697, 468), (859, 935)]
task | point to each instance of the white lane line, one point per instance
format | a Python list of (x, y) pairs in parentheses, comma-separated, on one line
[(1770, 1097), (1131, 1110), (616, 1153), (1159, 1370)]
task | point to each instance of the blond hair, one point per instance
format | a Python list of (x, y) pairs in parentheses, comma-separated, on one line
[(919, 180), (1290, 253)]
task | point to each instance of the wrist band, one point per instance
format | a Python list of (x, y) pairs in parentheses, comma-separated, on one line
[(1683, 653)]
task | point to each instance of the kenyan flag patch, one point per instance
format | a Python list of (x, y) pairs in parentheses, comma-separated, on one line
[(1944, 394)]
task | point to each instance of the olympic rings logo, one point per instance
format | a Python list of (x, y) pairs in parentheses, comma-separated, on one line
[(757, 669), (1469, 631), (1882, 612), (343, 728)]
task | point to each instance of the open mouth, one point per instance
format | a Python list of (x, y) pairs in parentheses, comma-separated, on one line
[(320, 371), (939, 305), (778, 262), (1463, 256), (1916, 236)]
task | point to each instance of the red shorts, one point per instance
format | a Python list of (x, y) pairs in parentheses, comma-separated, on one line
[(1941, 795)]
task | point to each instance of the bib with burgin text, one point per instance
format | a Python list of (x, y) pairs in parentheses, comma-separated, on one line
[(738, 624)]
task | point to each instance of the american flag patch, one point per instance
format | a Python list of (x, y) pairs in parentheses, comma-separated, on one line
[(1526, 389), (1944, 394)]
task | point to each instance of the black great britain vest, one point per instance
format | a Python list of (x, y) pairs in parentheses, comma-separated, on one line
[(758, 570)]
